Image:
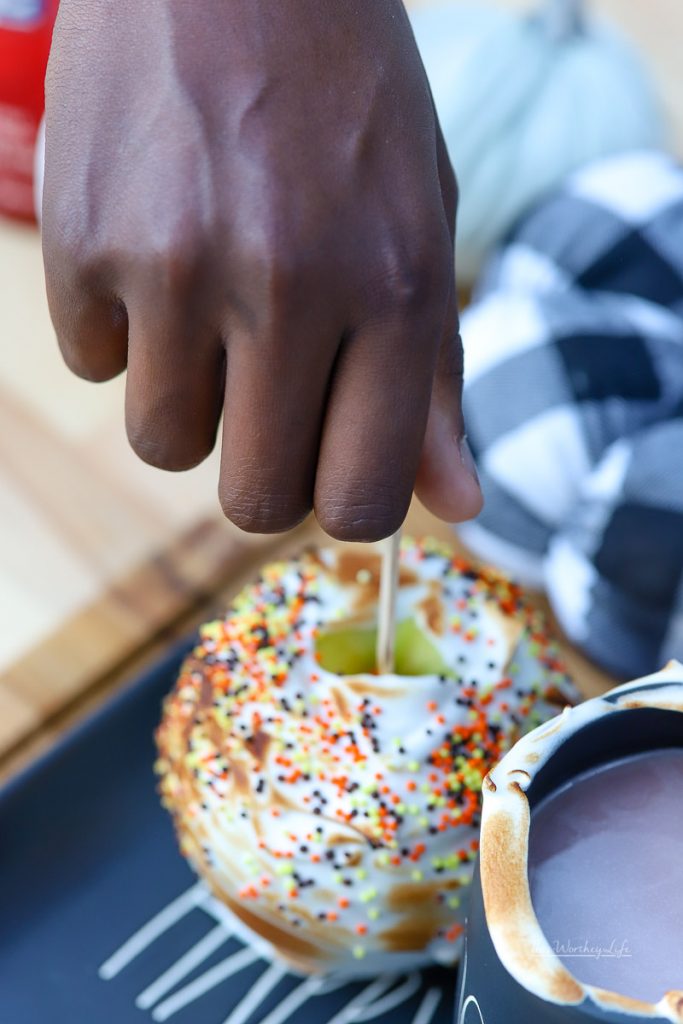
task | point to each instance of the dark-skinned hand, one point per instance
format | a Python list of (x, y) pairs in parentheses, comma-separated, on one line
[(248, 204)]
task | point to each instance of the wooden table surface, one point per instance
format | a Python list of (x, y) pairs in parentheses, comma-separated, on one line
[(103, 559)]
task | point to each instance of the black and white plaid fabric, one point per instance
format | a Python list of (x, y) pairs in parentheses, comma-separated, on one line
[(574, 408)]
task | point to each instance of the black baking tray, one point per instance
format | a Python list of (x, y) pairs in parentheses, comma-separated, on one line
[(102, 922)]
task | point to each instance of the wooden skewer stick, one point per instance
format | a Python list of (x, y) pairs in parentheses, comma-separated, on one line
[(386, 630)]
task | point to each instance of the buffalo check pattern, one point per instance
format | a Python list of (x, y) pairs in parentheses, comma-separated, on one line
[(574, 408)]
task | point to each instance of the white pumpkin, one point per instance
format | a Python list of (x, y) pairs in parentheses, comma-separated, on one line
[(523, 101)]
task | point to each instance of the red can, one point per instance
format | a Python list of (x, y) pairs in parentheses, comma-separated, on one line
[(25, 37)]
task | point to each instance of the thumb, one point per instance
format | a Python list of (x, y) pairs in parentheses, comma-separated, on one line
[(447, 482)]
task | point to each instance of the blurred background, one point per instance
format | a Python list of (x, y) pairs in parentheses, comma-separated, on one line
[(103, 559)]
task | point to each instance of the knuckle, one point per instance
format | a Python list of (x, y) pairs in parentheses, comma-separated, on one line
[(355, 518), (181, 279), (178, 268), (65, 257), (276, 268), (419, 279), (92, 336), (70, 244), (263, 511), (150, 449), (88, 365), (412, 283), (163, 452), (276, 263), (78, 267)]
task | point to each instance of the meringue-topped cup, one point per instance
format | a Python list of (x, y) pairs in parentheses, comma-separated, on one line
[(334, 811), (576, 912)]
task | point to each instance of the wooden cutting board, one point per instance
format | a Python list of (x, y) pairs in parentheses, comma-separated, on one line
[(100, 554)]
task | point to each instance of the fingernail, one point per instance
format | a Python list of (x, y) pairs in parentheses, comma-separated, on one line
[(467, 458)]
